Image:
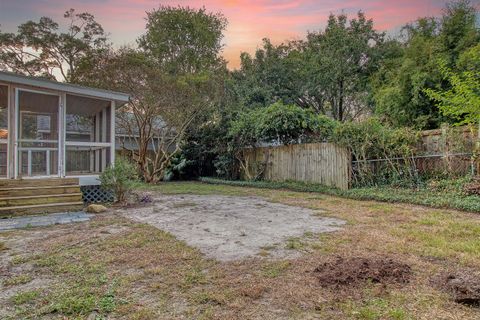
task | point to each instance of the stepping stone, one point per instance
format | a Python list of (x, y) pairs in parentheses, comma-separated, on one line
[(43, 220)]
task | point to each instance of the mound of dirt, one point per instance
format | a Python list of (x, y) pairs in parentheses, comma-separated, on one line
[(463, 287), (351, 272)]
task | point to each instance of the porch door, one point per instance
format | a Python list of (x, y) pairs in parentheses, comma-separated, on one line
[(37, 134)]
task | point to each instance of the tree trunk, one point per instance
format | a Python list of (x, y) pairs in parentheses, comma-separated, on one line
[(340, 102)]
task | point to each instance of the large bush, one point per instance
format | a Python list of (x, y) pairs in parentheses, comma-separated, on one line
[(281, 123), (291, 124)]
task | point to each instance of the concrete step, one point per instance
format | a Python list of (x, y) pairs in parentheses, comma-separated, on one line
[(39, 199), (43, 190), (12, 183), (7, 212)]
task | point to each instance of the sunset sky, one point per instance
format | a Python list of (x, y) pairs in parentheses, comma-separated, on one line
[(249, 21)]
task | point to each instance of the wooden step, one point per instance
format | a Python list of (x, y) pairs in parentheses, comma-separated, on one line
[(32, 191), (8, 212), (15, 183), (39, 199)]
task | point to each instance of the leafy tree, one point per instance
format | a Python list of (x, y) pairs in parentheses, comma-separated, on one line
[(280, 123), (400, 85), (174, 84), (290, 124), (340, 61), (184, 40), (328, 72), (161, 110), (459, 31), (42, 49), (271, 75), (462, 100), (470, 60)]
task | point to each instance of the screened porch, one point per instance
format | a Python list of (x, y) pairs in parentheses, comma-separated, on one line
[(64, 131)]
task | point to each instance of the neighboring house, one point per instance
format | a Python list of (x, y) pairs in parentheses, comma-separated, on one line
[(53, 129), (127, 134)]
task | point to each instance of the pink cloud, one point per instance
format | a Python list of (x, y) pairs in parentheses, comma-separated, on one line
[(249, 20)]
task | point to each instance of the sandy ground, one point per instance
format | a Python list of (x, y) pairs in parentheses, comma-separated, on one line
[(230, 228)]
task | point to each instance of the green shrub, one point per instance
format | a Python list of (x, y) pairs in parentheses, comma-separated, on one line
[(280, 123), (371, 139), (176, 168), (292, 124), (225, 166), (119, 178)]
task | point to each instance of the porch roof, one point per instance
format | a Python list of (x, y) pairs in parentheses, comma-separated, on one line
[(119, 97)]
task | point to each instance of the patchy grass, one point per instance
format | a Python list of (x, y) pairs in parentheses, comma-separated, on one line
[(294, 243), (114, 268), (17, 280), (453, 199), (25, 297), (98, 272), (275, 269)]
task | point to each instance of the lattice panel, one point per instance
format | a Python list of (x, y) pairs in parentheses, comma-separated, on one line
[(96, 194)]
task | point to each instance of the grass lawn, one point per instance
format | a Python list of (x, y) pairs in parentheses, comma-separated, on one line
[(449, 195), (111, 267)]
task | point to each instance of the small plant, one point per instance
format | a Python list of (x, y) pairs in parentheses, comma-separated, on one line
[(119, 178)]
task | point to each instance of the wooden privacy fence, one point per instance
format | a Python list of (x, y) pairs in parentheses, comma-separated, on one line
[(323, 163), (447, 150)]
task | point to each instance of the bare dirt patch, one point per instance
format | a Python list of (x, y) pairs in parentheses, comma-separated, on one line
[(463, 286), (232, 228), (351, 272)]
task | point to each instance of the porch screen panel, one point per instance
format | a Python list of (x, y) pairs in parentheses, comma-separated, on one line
[(37, 133), (3, 130), (87, 146)]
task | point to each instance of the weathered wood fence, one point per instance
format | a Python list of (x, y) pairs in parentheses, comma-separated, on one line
[(447, 150), (323, 163)]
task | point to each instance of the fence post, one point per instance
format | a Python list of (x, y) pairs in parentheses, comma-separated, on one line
[(445, 148)]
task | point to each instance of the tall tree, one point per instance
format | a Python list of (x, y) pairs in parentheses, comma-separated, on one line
[(327, 72), (271, 75), (340, 61), (400, 87), (459, 30), (43, 49), (174, 79), (184, 40)]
